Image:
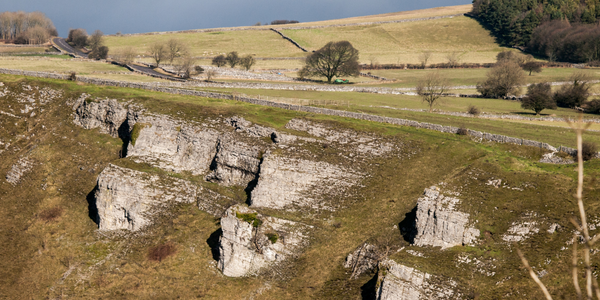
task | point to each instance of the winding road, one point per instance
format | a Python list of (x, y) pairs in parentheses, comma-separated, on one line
[(65, 47)]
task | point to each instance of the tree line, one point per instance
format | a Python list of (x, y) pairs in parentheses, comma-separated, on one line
[(26, 28), (527, 23), (79, 38)]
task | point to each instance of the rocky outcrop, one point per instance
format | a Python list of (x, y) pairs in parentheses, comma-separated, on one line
[(399, 282), (17, 171), (172, 145), (251, 241), (522, 229), (236, 162), (127, 199), (439, 224), (288, 182), (108, 115), (362, 260)]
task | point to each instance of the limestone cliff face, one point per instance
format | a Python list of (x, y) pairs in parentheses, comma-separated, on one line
[(251, 241), (236, 162), (439, 224), (172, 145), (399, 282), (287, 182), (125, 198), (108, 115)]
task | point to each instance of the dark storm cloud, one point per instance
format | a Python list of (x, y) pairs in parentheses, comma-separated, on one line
[(127, 16)]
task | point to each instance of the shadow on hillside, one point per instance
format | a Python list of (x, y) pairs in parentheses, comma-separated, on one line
[(92, 208), (213, 243), (369, 290), (408, 226)]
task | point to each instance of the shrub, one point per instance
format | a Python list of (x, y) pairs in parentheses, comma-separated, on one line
[(593, 106), (219, 61), (538, 98), (575, 93), (160, 252), (251, 218), (589, 150), (51, 213), (72, 76), (473, 110), (503, 79), (273, 237), (463, 131)]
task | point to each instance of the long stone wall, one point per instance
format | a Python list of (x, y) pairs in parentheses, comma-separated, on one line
[(289, 39), (309, 109)]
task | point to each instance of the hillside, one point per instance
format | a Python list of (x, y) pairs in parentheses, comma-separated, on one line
[(89, 196), (393, 42)]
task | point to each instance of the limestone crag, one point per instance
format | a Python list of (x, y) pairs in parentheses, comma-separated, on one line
[(172, 145), (17, 171), (439, 224), (286, 182), (365, 258), (251, 241), (108, 115), (399, 282), (236, 162), (361, 143), (126, 199), (523, 228)]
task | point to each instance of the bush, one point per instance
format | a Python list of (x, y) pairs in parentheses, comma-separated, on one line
[(463, 131), (473, 110), (250, 218), (575, 93), (505, 78), (160, 252), (219, 61), (538, 98), (273, 237), (593, 106), (589, 150), (72, 76)]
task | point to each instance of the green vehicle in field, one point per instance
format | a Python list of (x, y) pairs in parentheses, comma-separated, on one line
[(341, 81)]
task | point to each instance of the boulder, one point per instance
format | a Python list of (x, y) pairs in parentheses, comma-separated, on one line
[(251, 241), (108, 115), (236, 162), (399, 282), (362, 260), (439, 224), (127, 199), (285, 182)]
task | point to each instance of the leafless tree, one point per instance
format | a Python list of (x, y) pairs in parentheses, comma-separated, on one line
[(96, 40), (125, 55), (20, 25), (333, 60), (424, 58), (210, 74), (176, 48), (432, 87), (232, 58), (247, 62), (453, 58), (185, 66), (503, 79), (158, 52), (78, 37)]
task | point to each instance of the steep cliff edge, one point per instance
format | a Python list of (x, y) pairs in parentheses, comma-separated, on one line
[(439, 224), (252, 241)]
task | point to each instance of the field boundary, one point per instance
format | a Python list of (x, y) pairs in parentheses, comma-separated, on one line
[(309, 109), (289, 39)]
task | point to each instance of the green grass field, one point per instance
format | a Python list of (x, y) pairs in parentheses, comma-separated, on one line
[(59, 65)]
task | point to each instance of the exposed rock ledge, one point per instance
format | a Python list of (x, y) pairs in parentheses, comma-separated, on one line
[(251, 241), (439, 224), (399, 282), (127, 199)]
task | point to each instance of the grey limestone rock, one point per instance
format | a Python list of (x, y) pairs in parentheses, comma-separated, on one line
[(127, 199), (242, 125), (399, 282), (286, 182), (362, 260), (236, 162), (172, 145), (108, 115), (439, 224), (17, 171), (523, 228), (251, 241)]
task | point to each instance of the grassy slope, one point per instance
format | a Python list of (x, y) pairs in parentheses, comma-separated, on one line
[(404, 42), (37, 253)]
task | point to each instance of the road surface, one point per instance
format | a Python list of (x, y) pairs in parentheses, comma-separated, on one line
[(63, 45)]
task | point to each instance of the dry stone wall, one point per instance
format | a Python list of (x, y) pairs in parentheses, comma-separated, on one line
[(309, 109)]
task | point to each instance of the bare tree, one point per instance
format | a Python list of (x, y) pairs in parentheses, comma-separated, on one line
[(247, 62), (453, 58), (424, 58), (503, 79), (185, 66), (333, 60), (219, 61), (158, 52), (125, 55), (96, 40), (176, 48), (20, 25), (210, 74), (78, 37), (232, 58), (432, 87)]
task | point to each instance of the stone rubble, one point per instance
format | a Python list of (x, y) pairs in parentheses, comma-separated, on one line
[(522, 229), (439, 224), (19, 169), (364, 259)]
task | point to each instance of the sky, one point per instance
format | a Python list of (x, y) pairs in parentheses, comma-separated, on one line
[(129, 16)]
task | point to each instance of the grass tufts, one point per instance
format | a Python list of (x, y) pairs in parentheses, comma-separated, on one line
[(250, 218)]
